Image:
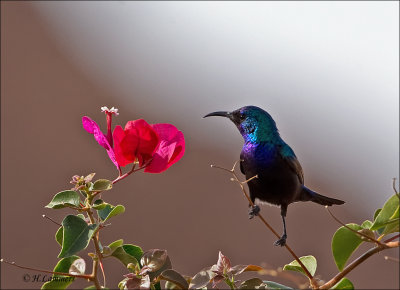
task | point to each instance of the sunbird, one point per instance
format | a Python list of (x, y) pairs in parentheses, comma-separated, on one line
[(280, 179)]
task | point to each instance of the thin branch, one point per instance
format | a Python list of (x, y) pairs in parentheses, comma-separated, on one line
[(119, 170), (99, 255), (89, 277), (222, 168), (133, 170), (102, 271), (122, 176), (350, 229), (394, 187), (392, 259), (314, 284), (94, 273), (50, 219), (357, 262), (392, 238)]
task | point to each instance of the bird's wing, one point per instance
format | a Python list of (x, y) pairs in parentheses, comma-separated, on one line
[(290, 158), (241, 163)]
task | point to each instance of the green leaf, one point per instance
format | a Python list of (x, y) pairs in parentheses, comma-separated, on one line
[(344, 243), (344, 283), (59, 236), (202, 278), (121, 254), (76, 235), (309, 261), (109, 211), (393, 223), (67, 198), (99, 204), (274, 285), (79, 215), (388, 210), (134, 251), (59, 281), (114, 245), (379, 231), (175, 278), (377, 213), (368, 233), (254, 283), (366, 224), (101, 184)]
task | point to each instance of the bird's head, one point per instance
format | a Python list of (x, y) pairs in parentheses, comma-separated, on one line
[(254, 123)]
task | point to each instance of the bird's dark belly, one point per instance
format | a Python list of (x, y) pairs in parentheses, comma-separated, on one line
[(276, 182)]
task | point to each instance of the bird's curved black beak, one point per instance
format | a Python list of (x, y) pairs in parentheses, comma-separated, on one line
[(220, 114)]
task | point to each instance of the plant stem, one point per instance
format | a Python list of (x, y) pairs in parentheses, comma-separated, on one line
[(392, 238), (50, 219), (120, 177), (47, 271), (99, 256), (350, 229), (313, 283), (357, 262), (392, 259), (94, 274), (230, 283)]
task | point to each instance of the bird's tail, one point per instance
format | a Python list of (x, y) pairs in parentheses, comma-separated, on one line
[(309, 195)]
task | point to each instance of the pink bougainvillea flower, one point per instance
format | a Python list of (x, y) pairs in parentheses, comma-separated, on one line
[(170, 149), (91, 127), (137, 141), (154, 147)]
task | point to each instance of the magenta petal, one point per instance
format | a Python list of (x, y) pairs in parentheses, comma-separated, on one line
[(165, 131), (88, 124), (91, 127), (159, 162), (170, 150), (111, 154)]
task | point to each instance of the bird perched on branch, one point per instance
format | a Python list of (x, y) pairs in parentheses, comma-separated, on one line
[(280, 179)]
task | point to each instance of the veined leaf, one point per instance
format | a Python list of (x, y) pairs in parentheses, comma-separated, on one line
[(76, 235), (59, 281), (388, 210), (309, 262), (344, 243), (67, 198), (344, 283), (109, 211), (101, 184)]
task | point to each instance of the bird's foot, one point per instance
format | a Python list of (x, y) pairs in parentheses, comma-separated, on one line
[(281, 242), (254, 210)]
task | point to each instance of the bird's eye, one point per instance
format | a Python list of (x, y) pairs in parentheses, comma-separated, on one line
[(242, 116)]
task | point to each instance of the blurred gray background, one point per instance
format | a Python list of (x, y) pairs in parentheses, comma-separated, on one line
[(328, 72)]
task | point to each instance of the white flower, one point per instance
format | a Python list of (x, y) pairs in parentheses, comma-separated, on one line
[(112, 110)]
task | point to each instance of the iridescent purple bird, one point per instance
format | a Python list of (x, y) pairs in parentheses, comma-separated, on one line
[(280, 179)]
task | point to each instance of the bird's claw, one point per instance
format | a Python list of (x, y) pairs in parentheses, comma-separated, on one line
[(281, 242), (254, 210)]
